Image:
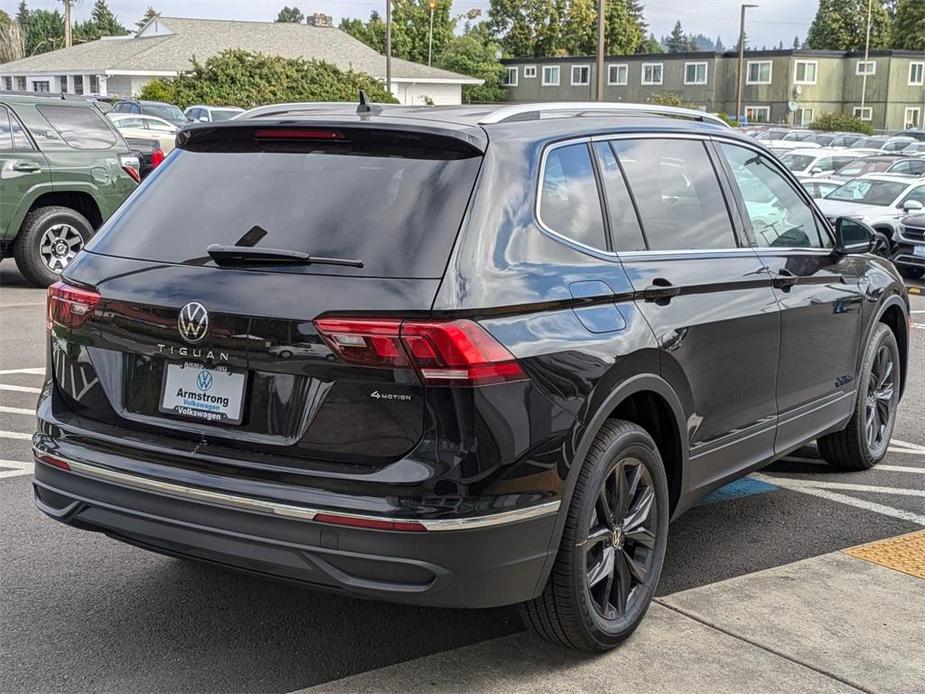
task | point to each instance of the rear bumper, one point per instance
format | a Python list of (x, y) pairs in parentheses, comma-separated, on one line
[(477, 562)]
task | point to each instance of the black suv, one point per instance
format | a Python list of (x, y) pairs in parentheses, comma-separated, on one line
[(458, 357)]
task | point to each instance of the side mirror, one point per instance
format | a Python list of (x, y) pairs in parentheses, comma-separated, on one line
[(203, 119), (911, 206), (852, 236), (816, 170)]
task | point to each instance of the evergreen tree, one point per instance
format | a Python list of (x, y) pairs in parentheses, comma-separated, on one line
[(651, 45), (43, 31), (841, 25), (150, 14), (720, 47), (909, 25), (22, 14), (292, 15), (677, 41), (105, 21), (796, 43)]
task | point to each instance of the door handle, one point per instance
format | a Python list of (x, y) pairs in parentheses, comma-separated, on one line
[(785, 279), (661, 291), (26, 167)]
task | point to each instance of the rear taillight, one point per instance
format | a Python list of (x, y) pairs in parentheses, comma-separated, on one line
[(300, 134), (131, 165), (157, 157), (459, 352), (70, 307)]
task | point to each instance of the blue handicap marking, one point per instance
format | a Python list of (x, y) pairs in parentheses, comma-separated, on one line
[(740, 488)]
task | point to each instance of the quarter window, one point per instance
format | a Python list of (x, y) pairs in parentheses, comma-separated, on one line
[(550, 75), (569, 201), (617, 74), (778, 214), (624, 224), (680, 201), (581, 75), (758, 72), (81, 128), (651, 73), (695, 73)]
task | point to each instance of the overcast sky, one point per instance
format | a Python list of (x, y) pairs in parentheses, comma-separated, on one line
[(773, 21)]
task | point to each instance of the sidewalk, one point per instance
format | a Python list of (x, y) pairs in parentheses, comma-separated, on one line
[(833, 623)]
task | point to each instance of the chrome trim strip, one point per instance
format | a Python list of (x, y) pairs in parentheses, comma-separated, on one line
[(507, 112), (275, 508)]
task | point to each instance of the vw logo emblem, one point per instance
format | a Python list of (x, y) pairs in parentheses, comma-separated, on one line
[(193, 322), (204, 380)]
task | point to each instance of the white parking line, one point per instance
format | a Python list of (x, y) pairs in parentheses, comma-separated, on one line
[(906, 444), (15, 435), (36, 370), (851, 487), (16, 410), (19, 469), (19, 389), (807, 488), (901, 468)]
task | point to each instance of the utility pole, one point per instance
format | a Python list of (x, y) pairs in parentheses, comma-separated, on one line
[(68, 38), (388, 45), (866, 56), (432, 4), (740, 76), (600, 49)]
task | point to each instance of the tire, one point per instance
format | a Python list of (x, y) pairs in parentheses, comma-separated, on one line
[(568, 612), (39, 256), (911, 273), (863, 442)]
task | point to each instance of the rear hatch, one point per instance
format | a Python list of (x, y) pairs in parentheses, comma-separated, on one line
[(211, 281)]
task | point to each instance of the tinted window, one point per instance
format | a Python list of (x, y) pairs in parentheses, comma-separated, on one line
[(165, 111), (862, 166), (797, 162), (778, 214), (81, 128), (6, 135), (675, 187), (869, 192), (399, 215), (129, 123), (917, 194), (569, 202), (624, 224), (219, 114), (20, 139)]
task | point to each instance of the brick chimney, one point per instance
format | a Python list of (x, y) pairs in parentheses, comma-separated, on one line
[(320, 19)]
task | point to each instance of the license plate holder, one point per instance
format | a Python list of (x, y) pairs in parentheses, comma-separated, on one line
[(209, 394), (918, 251)]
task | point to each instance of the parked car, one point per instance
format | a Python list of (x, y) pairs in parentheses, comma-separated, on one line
[(878, 200), (819, 161), (168, 112), (65, 169), (897, 144), (909, 254), (781, 138), (153, 137), (872, 142), (819, 187), (836, 140), (503, 389), (868, 164), (210, 114), (914, 149), (915, 133)]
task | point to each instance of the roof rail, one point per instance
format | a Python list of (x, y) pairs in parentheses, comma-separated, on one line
[(298, 106), (517, 112), (40, 95)]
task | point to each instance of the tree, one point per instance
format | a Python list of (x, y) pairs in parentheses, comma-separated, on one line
[(841, 25), (841, 122), (909, 25), (718, 45), (650, 45), (245, 79), (149, 14), (43, 31), (410, 29), (11, 44), (475, 53), (796, 43), (677, 41), (371, 32), (292, 15), (105, 21)]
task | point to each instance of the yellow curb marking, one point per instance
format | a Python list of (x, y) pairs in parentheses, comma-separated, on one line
[(905, 553)]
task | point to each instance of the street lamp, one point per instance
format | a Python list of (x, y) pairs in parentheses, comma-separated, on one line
[(866, 64), (388, 45), (739, 79), (432, 4)]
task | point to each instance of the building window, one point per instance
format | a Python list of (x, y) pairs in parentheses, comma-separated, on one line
[(62, 82), (695, 73), (804, 116), (758, 72), (41, 86), (550, 75), (529, 71), (581, 75), (911, 117), (510, 77), (865, 113), (865, 68), (805, 72), (94, 84), (8, 83), (916, 74), (758, 114), (78, 84), (21, 84), (651, 73), (618, 74)]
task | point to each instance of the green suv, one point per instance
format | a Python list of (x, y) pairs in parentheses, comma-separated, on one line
[(63, 170)]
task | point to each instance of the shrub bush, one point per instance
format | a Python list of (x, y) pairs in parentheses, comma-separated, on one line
[(841, 122)]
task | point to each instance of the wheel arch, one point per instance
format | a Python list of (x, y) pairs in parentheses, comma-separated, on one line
[(894, 313), (79, 201)]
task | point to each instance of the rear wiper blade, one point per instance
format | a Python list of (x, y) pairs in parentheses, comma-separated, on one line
[(245, 255)]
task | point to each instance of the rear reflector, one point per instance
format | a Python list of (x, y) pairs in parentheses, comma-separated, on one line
[(459, 352), (300, 134), (51, 460), (370, 523), (70, 307)]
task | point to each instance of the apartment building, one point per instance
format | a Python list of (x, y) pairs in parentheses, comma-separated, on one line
[(780, 86)]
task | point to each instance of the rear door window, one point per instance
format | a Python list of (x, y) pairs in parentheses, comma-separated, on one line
[(80, 128), (399, 215), (569, 202), (624, 223), (680, 201)]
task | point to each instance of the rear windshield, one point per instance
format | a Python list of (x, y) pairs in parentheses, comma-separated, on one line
[(869, 192), (165, 111), (797, 162), (224, 114), (858, 168), (398, 215)]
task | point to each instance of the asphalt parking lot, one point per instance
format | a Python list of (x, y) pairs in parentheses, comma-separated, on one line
[(81, 612)]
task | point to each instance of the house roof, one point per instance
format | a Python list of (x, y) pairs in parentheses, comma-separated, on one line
[(166, 45)]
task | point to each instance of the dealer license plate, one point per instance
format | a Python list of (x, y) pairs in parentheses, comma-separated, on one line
[(210, 394)]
